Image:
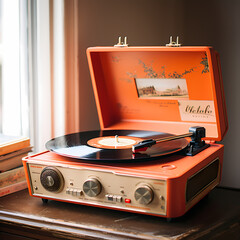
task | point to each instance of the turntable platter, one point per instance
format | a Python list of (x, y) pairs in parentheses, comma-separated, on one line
[(112, 145)]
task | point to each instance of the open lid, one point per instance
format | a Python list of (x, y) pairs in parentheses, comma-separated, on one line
[(166, 89)]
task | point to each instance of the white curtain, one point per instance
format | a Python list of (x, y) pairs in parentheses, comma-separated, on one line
[(54, 79)]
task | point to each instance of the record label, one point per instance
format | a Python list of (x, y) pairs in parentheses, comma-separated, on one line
[(114, 142)]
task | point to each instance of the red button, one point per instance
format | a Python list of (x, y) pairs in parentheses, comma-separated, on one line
[(127, 200)]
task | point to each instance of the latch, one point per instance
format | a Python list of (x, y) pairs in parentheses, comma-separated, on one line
[(174, 44), (120, 43)]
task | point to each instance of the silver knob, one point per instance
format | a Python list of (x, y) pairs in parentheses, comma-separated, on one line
[(92, 187), (144, 195), (49, 181)]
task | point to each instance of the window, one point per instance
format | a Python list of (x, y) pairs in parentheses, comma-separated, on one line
[(25, 85), (13, 80), (39, 94)]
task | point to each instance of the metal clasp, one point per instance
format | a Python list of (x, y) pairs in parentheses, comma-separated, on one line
[(174, 44), (120, 43)]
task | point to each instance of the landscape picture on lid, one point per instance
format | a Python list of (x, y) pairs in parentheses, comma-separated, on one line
[(162, 88)]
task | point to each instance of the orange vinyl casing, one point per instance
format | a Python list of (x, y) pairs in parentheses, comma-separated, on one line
[(173, 172), (115, 71), (128, 96)]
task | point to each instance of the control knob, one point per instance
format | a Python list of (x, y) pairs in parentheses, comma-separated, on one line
[(51, 179), (144, 194), (92, 187)]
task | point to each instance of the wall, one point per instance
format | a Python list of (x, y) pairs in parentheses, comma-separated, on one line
[(213, 23), (216, 23)]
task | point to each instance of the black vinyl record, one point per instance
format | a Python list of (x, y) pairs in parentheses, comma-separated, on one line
[(76, 146)]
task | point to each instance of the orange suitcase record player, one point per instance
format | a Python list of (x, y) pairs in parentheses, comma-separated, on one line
[(161, 110)]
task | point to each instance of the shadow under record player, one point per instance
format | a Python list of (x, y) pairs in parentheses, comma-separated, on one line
[(149, 157)]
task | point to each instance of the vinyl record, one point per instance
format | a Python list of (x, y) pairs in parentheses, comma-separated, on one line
[(83, 145)]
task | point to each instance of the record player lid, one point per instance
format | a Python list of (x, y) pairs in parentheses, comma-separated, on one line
[(166, 89)]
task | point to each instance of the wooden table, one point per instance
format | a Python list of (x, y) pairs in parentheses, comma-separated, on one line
[(217, 216)]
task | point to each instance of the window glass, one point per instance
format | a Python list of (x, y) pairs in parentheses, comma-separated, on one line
[(13, 51)]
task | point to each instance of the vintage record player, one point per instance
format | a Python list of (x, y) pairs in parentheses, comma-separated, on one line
[(161, 112)]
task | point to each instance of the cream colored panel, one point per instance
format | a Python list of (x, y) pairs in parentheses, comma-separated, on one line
[(117, 191)]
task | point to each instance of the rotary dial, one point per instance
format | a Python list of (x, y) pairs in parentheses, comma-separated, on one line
[(144, 194), (51, 179), (92, 187)]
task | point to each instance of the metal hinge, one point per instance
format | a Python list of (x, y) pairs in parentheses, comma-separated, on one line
[(174, 44), (120, 43)]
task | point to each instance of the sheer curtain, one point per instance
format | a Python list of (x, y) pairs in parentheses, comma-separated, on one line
[(53, 58)]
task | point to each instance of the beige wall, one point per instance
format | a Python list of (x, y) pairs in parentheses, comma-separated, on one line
[(150, 22)]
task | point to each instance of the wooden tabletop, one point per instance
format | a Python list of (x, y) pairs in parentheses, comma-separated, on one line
[(217, 216)]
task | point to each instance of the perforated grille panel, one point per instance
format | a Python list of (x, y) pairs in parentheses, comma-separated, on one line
[(198, 182)]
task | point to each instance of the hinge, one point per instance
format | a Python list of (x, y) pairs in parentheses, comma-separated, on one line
[(174, 44), (120, 43)]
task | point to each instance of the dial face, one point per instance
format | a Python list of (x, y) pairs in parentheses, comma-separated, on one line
[(144, 195), (92, 187), (51, 179)]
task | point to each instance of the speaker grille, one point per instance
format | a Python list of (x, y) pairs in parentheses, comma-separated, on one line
[(202, 179)]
